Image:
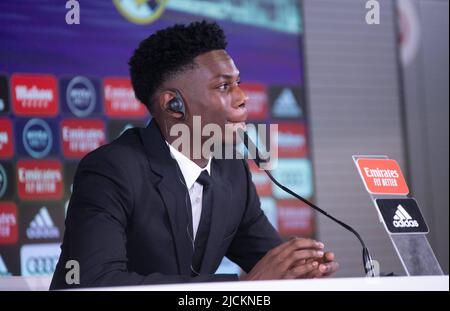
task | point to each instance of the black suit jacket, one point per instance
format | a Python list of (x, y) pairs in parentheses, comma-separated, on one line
[(127, 219)]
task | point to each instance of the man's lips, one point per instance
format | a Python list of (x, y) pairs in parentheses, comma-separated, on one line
[(237, 124), (237, 117), (238, 114)]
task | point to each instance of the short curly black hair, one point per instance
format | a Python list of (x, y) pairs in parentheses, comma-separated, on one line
[(170, 51)]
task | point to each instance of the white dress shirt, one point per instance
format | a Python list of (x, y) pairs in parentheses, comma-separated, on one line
[(191, 171)]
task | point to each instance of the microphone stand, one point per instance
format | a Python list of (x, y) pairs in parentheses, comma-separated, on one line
[(367, 259)]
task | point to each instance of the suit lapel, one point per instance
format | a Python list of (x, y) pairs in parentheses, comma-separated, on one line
[(221, 198), (176, 209), (172, 192)]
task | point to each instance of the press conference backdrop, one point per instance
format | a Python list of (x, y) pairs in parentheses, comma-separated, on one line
[(355, 95), (64, 91)]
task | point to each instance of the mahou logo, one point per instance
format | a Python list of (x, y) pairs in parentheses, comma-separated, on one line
[(120, 100), (6, 138), (81, 136), (34, 95), (8, 223), (39, 179)]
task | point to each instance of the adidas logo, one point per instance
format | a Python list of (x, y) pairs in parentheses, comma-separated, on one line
[(286, 105), (42, 226), (402, 219), (3, 270)]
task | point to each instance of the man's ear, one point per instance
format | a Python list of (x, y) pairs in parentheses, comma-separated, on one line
[(164, 98)]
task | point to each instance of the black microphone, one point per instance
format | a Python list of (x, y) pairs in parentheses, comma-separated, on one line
[(258, 159)]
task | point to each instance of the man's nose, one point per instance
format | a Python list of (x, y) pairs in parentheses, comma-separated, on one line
[(241, 97)]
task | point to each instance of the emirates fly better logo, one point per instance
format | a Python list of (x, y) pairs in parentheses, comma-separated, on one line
[(81, 136), (39, 179), (6, 140), (8, 223), (120, 100)]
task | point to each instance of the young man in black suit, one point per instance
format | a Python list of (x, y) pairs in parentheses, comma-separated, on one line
[(142, 212)]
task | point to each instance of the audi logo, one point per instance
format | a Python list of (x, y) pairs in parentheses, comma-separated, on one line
[(41, 265)]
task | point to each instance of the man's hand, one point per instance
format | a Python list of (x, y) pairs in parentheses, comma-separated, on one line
[(296, 258), (326, 266)]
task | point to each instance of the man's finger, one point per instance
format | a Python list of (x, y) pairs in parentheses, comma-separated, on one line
[(328, 268), (301, 271), (318, 257), (297, 257), (278, 249), (329, 256), (297, 244), (314, 274)]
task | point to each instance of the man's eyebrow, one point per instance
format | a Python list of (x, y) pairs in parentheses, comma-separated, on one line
[(227, 76)]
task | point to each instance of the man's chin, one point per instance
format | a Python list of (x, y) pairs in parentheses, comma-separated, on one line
[(238, 125), (232, 130)]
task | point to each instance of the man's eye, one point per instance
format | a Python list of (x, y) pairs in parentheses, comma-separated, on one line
[(223, 87)]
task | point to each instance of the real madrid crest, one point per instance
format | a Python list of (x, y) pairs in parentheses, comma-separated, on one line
[(141, 11)]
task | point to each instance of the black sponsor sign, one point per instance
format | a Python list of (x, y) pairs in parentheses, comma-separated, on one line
[(402, 215), (69, 173), (7, 181), (4, 94), (41, 222), (286, 102), (9, 260), (117, 127)]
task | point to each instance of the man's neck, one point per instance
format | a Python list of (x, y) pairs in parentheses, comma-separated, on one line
[(201, 162)]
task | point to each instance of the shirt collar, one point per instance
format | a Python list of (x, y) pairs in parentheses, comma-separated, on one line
[(190, 170)]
